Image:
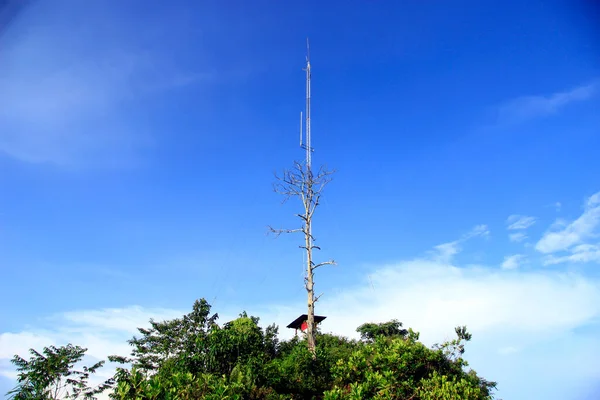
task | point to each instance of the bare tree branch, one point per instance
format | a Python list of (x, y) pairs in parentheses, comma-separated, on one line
[(301, 182), (278, 232), (302, 217), (330, 262)]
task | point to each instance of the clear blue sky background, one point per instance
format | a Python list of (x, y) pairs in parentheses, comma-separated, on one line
[(138, 142)]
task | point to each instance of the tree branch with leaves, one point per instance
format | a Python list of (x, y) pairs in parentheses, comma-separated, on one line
[(51, 375)]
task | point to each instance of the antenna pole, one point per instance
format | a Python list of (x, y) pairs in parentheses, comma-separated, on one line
[(301, 128), (302, 183), (308, 145)]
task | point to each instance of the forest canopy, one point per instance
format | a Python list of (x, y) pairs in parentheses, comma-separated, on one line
[(193, 357)]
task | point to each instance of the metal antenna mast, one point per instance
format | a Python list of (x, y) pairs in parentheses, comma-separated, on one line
[(302, 183), (307, 144)]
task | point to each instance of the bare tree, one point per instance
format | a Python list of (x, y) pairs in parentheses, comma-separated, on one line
[(302, 183)]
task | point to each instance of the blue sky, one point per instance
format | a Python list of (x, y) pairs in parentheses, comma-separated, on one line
[(138, 143)]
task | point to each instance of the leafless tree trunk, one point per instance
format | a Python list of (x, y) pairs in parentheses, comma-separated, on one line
[(302, 183)]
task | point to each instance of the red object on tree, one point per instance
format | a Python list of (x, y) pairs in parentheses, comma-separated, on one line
[(302, 322)]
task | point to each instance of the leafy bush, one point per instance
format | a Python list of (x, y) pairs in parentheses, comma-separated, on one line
[(51, 374), (403, 368)]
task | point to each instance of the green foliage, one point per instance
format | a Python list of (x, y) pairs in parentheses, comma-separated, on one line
[(441, 387), (234, 355), (371, 331), (182, 337), (403, 368), (240, 341), (297, 373), (51, 375), (178, 385), (192, 357), (454, 349)]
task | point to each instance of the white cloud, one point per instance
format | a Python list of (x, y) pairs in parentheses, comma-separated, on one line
[(582, 253), (563, 237), (103, 332), (510, 313), (517, 237), (506, 310), (446, 251), (429, 296), (68, 86), (479, 230), (513, 262), (434, 298), (518, 222), (528, 107)]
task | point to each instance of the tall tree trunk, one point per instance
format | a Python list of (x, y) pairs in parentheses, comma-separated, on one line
[(310, 328)]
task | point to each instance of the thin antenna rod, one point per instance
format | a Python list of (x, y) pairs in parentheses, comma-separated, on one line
[(307, 144), (307, 139), (300, 128)]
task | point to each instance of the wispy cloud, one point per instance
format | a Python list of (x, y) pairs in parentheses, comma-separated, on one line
[(529, 107), (448, 295), (103, 331), (562, 237), (446, 251), (479, 230), (513, 262), (518, 222), (517, 237), (68, 86), (582, 253)]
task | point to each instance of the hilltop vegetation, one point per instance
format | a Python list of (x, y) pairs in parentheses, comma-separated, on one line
[(193, 357)]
